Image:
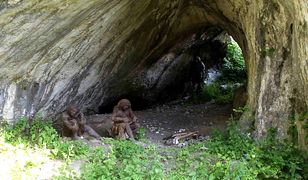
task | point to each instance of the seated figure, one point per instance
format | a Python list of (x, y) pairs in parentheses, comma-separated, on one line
[(124, 121), (75, 125)]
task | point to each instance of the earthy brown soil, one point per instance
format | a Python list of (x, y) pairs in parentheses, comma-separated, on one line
[(164, 120)]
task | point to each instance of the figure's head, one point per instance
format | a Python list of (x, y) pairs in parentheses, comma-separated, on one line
[(124, 104), (72, 110)]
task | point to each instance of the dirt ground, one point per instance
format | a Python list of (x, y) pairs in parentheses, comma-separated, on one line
[(163, 121)]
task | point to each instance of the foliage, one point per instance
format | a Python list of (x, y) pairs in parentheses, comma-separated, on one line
[(233, 155), (140, 133), (232, 72), (40, 133), (214, 92), (233, 69), (21, 162), (227, 155), (124, 160)]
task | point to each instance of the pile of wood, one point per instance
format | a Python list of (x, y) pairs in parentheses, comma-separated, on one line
[(176, 138)]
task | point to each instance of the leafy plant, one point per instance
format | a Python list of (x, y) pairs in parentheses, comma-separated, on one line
[(226, 155), (40, 133), (140, 133), (123, 160), (233, 69), (214, 92), (233, 73)]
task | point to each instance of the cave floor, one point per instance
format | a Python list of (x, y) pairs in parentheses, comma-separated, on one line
[(165, 120), (162, 121)]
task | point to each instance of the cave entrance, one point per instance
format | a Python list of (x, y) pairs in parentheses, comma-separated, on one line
[(203, 73), (202, 94)]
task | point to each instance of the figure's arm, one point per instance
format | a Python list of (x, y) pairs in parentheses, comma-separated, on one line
[(117, 118), (82, 119), (69, 124), (133, 117)]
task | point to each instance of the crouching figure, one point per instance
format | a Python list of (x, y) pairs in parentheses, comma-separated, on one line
[(75, 124), (124, 121)]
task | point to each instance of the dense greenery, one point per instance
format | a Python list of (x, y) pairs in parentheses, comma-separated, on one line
[(124, 160), (232, 72), (229, 155), (214, 92), (233, 68), (41, 134)]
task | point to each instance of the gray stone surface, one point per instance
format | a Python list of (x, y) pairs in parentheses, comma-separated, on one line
[(85, 52)]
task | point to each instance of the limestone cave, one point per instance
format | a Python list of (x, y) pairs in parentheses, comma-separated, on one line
[(169, 58)]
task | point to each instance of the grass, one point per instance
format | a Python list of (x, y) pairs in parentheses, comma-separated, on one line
[(233, 71), (228, 155), (22, 162), (214, 92)]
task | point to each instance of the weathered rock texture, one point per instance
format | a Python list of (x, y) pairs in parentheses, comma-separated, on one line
[(62, 51)]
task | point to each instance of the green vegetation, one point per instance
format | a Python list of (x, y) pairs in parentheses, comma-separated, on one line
[(125, 160), (21, 162), (232, 71), (214, 92), (228, 155), (41, 134), (140, 133)]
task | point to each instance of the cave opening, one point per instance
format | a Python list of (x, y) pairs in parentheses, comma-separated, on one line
[(202, 66), (204, 79), (201, 97)]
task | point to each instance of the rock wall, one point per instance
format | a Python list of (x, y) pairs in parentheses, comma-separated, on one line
[(86, 52)]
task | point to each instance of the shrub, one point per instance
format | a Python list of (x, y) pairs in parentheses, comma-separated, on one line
[(227, 155), (233, 69), (232, 72), (40, 133), (124, 160), (214, 92)]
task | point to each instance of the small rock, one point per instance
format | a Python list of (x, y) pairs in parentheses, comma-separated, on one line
[(185, 143), (181, 130), (185, 98)]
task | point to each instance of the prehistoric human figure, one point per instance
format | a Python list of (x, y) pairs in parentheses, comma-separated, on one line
[(124, 121), (75, 124)]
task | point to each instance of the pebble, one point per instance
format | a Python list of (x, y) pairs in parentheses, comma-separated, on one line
[(181, 130)]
